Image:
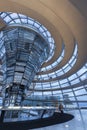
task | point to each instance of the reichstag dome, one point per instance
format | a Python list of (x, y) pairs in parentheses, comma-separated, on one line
[(43, 64)]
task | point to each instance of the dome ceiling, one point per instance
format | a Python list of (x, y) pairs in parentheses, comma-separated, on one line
[(66, 71), (64, 76)]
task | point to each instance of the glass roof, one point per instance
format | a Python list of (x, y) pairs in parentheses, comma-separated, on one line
[(73, 87), (15, 18), (64, 69)]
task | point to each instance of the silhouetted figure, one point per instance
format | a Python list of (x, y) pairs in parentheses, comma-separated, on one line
[(61, 108), (2, 116)]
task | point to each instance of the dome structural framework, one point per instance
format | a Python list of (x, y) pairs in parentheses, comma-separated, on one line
[(64, 79)]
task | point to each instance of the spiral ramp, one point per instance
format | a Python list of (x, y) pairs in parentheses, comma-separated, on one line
[(65, 27)]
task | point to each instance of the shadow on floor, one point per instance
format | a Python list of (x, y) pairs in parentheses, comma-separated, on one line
[(57, 118)]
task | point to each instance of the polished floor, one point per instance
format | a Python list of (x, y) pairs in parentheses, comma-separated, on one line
[(78, 123)]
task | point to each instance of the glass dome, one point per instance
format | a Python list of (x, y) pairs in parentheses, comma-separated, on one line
[(49, 84)]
